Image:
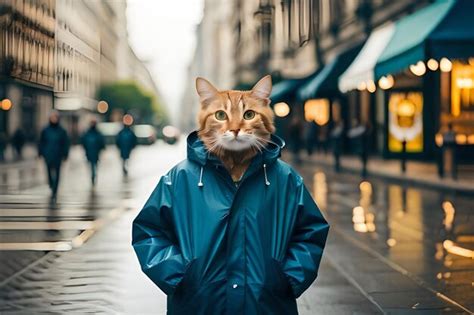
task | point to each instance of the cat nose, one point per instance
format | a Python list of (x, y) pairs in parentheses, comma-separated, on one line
[(235, 131)]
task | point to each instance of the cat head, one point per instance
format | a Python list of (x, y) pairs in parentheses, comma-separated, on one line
[(235, 120)]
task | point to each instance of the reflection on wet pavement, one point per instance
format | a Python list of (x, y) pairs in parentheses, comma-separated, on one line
[(427, 234)]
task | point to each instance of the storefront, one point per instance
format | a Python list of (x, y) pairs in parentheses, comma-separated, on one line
[(285, 103), (324, 105), (421, 73), (358, 83)]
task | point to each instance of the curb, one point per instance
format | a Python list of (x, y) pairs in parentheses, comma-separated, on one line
[(420, 182)]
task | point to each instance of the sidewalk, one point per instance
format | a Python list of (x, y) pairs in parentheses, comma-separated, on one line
[(29, 154), (417, 173)]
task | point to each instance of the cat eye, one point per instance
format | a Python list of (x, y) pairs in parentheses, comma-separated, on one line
[(220, 115), (250, 114)]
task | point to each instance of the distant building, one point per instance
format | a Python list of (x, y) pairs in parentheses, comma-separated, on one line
[(56, 54), (213, 56), (27, 72), (395, 69)]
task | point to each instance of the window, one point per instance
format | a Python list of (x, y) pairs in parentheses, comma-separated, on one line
[(462, 88), (405, 121), (305, 19)]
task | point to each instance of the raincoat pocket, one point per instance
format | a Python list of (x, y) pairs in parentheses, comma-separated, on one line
[(282, 285), (181, 286)]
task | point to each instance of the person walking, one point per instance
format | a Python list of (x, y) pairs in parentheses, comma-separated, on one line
[(53, 146), (93, 142), (3, 145), (126, 142), (18, 141), (295, 134)]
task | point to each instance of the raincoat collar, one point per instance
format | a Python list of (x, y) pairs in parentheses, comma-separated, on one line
[(197, 151)]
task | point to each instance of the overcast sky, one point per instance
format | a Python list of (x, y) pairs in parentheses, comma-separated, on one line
[(162, 33)]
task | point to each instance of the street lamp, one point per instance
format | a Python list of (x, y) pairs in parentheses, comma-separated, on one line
[(371, 86), (127, 120), (386, 82), (102, 107), (445, 65), (281, 109), (6, 104), (432, 64), (418, 69)]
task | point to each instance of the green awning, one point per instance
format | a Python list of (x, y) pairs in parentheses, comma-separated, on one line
[(325, 83), (442, 29), (454, 36), (285, 90)]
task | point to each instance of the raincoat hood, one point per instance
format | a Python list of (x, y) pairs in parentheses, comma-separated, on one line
[(216, 246), (197, 151)]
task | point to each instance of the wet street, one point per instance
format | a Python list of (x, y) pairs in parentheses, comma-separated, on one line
[(392, 249)]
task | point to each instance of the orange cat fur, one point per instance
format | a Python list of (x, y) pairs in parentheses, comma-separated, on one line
[(235, 125)]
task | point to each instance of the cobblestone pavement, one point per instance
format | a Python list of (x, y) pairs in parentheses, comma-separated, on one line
[(394, 266)]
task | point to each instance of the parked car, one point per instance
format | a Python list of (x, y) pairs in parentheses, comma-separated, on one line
[(170, 134), (146, 134), (109, 130)]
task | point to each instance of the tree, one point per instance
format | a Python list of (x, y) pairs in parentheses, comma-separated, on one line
[(128, 96)]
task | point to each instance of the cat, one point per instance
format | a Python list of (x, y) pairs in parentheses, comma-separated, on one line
[(235, 125)]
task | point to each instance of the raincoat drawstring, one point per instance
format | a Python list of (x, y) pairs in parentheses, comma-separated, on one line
[(265, 173), (200, 184)]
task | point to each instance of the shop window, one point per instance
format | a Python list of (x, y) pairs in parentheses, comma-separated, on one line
[(325, 15), (462, 88), (317, 110), (405, 121), (293, 23), (305, 27)]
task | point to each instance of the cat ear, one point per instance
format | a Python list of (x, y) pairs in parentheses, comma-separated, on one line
[(263, 88), (205, 89)]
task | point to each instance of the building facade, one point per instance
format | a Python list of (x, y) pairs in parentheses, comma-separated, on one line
[(213, 57), (309, 45), (56, 54), (27, 72)]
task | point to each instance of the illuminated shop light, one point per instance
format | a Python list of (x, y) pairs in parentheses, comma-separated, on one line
[(386, 82), (281, 109), (371, 86), (317, 110), (465, 83), (445, 65), (418, 69), (362, 86), (470, 139), (432, 64), (461, 139)]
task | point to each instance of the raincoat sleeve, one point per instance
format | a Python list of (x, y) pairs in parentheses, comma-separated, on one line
[(155, 243), (306, 245)]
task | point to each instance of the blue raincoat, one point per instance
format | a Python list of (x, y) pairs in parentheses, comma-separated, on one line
[(217, 247), (93, 142), (126, 140)]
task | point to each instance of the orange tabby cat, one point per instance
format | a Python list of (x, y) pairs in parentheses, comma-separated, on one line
[(235, 125)]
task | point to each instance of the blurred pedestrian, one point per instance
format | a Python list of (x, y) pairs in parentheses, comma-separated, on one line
[(3, 145), (295, 134), (311, 130), (53, 146), (126, 142), (18, 141), (93, 143)]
